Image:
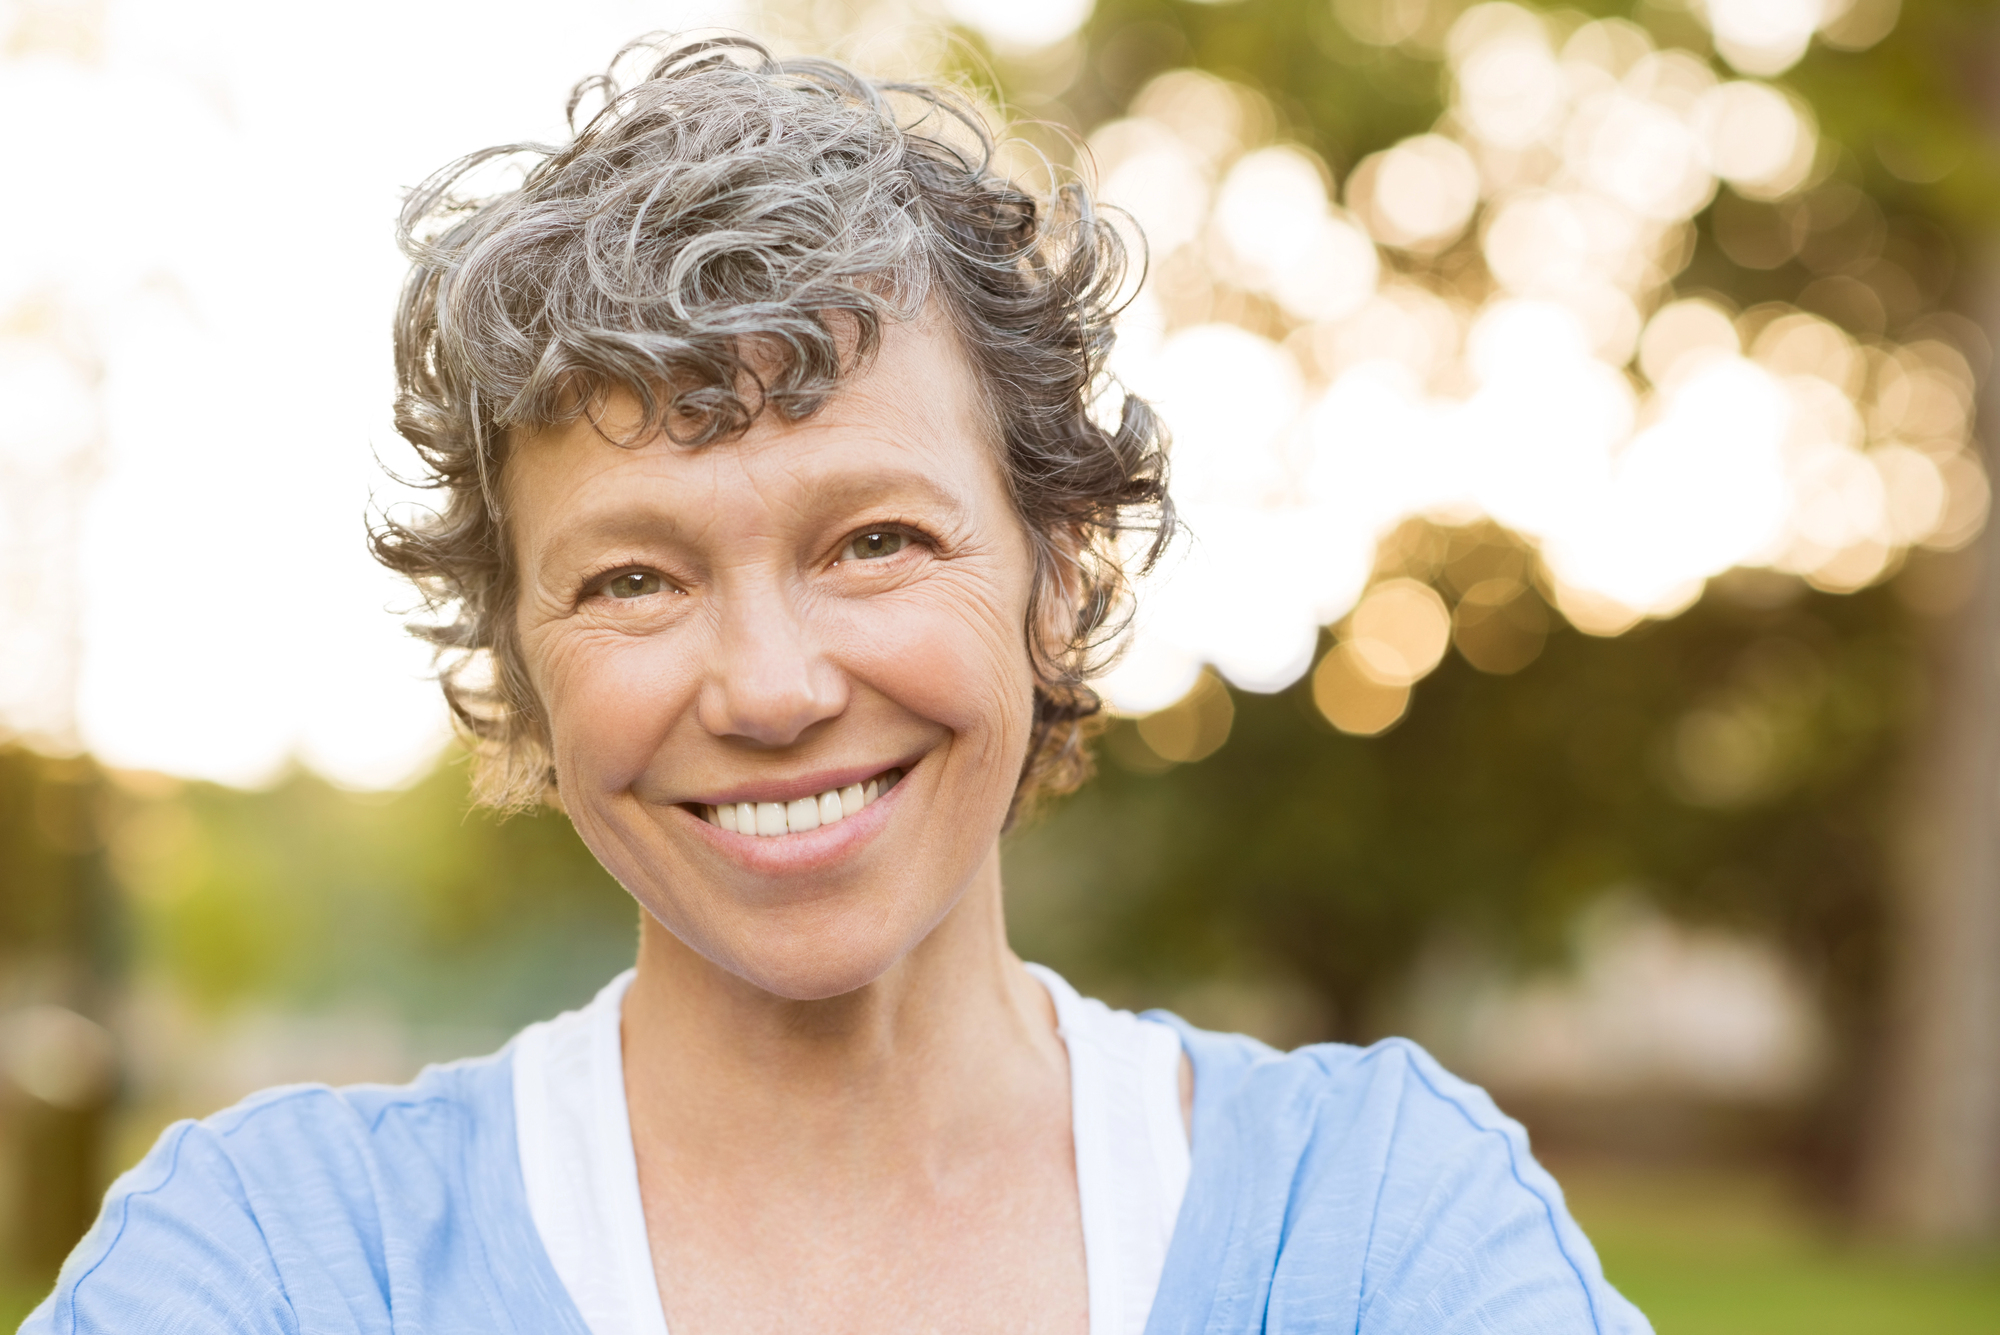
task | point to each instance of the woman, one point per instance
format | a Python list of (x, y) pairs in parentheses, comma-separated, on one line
[(776, 542)]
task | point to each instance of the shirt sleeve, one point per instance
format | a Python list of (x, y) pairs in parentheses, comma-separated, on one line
[(176, 1248), (1469, 1235)]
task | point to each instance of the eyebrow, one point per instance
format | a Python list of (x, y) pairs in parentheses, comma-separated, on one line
[(636, 518), (850, 491)]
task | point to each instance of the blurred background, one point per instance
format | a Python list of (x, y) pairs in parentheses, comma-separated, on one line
[(1584, 656)]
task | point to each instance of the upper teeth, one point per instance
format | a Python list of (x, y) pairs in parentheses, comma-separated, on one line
[(808, 813)]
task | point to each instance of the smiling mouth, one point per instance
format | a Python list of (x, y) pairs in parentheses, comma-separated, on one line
[(770, 819)]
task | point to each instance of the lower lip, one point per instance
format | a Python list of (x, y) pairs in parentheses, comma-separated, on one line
[(808, 850)]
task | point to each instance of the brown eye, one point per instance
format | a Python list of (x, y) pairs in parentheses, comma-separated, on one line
[(871, 545), (633, 584)]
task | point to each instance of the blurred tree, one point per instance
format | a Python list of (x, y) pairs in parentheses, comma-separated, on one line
[(1500, 807), (307, 897), (301, 897), (1933, 1173), (58, 952), (1814, 767)]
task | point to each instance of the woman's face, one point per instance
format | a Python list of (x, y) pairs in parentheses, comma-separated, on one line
[(808, 609)]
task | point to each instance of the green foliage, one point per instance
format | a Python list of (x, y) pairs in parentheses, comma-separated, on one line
[(1918, 99), (1914, 98), (307, 896), (1498, 808), (1335, 94)]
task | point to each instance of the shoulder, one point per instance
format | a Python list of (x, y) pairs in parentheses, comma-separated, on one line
[(326, 1161), (1373, 1182), (1393, 1089), (324, 1130), (310, 1207)]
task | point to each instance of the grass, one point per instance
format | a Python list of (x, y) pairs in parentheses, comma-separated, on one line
[(18, 1297), (1706, 1253)]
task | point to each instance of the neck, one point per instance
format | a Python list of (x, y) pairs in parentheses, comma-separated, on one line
[(951, 1038)]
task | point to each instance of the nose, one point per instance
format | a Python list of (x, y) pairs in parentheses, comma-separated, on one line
[(768, 680)]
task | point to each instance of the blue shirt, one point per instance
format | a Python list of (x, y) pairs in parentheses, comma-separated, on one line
[(1333, 1189)]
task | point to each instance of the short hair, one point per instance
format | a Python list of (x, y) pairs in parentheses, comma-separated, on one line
[(731, 207)]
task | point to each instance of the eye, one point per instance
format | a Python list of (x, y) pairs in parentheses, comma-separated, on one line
[(870, 546), (633, 584)]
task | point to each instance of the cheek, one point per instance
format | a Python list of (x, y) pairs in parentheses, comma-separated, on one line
[(610, 699), (953, 652)]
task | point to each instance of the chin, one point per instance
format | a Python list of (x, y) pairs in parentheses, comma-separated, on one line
[(818, 972), (817, 980), (819, 954)]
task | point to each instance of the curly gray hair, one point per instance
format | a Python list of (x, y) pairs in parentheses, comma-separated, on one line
[(712, 241)]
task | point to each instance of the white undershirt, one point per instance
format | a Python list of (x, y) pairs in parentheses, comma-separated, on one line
[(583, 1181)]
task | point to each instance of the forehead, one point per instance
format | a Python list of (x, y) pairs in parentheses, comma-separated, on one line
[(910, 425)]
